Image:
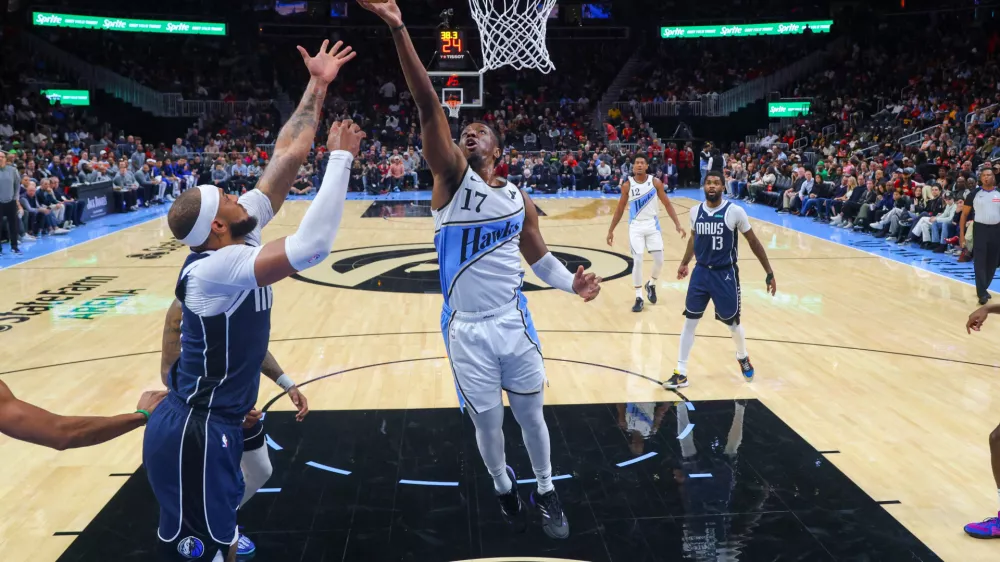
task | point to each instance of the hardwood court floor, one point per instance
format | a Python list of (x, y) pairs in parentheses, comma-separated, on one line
[(858, 354)]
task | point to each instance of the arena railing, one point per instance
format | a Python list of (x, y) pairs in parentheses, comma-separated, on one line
[(979, 113), (662, 108), (915, 137)]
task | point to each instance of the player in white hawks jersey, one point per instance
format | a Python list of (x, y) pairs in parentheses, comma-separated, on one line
[(640, 193), (483, 225)]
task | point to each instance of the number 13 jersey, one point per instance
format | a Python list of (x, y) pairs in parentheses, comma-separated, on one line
[(715, 233), (477, 236)]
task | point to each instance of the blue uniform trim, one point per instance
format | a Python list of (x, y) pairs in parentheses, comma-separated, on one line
[(446, 318)]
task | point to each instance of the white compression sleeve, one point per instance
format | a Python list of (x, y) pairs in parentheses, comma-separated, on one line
[(553, 272), (314, 238)]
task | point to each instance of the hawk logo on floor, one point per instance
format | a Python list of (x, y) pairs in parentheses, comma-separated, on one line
[(190, 547), (413, 268)]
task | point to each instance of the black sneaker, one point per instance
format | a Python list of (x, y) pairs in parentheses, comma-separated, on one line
[(512, 507), (676, 381), (637, 307), (17, 252), (747, 368), (554, 521), (651, 292)]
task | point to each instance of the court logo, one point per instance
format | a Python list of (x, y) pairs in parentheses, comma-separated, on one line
[(191, 547), (413, 268), (158, 251)]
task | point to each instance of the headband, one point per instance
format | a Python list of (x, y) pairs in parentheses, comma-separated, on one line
[(209, 208)]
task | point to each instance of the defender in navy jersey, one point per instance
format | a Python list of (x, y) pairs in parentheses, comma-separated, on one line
[(716, 276), (255, 464), (483, 226), (194, 443)]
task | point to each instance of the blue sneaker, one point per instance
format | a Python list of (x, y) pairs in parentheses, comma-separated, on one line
[(747, 368), (245, 547), (987, 529)]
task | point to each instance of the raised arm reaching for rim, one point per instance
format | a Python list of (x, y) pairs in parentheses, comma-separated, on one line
[(442, 154), (296, 137)]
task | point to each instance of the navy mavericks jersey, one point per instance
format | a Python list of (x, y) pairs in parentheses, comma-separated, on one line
[(221, 355), (715, 233)]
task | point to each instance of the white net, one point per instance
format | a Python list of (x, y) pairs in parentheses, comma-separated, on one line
[(513, 33)]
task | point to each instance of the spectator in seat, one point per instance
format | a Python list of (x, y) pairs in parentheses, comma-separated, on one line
[(670, 174), (530, 141), (48, 199), (921, 230), (395, 174), (604, 177), (171, 175), (410, 169), (74, 208), (812, 194), (148, 185), (125, 183), (791, 198), (357, 182), (502, 169), (178, 149), (372, 178), (302, 185), (219, 176), (44, 218), (515, 171), (941, 225), (566, 176), (685, 164), (238, 174), (254, 171)]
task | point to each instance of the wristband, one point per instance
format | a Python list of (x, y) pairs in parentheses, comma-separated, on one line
[(285, 382), (144, 413), (553, 272), (395, 29), (769, 278)]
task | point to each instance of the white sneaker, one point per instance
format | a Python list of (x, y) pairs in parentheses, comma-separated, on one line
[(60, 231), (28, 237)]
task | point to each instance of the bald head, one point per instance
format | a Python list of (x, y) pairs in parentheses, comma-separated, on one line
[(184, 213)]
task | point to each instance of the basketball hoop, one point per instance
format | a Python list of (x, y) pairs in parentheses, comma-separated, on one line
[(453, 107), (512, 33)]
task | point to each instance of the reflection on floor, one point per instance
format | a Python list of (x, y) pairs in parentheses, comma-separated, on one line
[(701, 481), (406, 208)]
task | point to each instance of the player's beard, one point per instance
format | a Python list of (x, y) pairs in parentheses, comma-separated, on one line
[(713, 197), (241, 228), (476, 161)]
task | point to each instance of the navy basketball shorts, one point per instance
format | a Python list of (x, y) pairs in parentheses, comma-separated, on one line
[(721, 286), (192, 460)]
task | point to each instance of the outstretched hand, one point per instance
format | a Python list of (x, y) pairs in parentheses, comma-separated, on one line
[(345, 135), (326, 64), (387, 10), (977, 319), (587, 285)]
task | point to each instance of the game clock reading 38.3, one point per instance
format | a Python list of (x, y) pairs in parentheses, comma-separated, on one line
[(452, 45)]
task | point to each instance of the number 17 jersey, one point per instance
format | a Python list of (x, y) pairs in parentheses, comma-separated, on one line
[(715, 233), (477, 236)]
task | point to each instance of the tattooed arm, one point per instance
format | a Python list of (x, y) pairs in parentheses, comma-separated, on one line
[(296, 138), (171, 349)]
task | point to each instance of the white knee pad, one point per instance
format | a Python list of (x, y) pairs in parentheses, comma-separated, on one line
[(256, 466)]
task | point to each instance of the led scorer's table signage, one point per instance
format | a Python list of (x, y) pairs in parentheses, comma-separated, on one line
[(46, 19), (744, 30)]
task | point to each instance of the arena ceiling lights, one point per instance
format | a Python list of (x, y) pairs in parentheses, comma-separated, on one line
[(46, 19), (744, 30)]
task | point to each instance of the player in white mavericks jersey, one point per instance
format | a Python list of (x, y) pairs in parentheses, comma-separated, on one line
[(640, 193), (483, 227)]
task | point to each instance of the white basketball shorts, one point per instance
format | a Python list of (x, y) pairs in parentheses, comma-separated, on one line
[(645, 236), (493, 351)]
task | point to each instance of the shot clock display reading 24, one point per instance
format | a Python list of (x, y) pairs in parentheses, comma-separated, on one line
[(452, 45)]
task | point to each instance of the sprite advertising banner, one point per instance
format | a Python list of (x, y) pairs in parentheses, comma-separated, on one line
[(45, 19), (744, 30), (788, 108)]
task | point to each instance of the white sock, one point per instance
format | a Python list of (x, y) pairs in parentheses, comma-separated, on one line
[(687, 342), (739, 338), (256, 466), (998, 493), (527, 411), (638, 292), (489, 438)]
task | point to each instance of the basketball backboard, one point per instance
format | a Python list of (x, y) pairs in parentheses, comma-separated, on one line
[(464, 87)]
